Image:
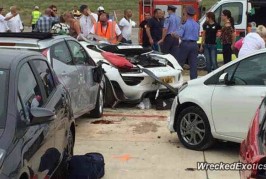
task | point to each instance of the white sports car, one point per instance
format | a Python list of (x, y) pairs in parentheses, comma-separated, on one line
[(148, 72)]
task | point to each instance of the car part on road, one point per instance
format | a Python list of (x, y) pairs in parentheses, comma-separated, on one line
[(193, 129)]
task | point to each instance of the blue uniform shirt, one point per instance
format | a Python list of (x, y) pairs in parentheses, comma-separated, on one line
[(171, 23), (189, 30)]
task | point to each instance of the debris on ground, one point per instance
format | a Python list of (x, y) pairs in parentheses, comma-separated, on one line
[(103, 122), (145, 104), (191, 169)]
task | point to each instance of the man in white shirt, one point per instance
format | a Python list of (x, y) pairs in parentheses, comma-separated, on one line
[(3, 21), (14, 23), (87, 20), (126, 26)]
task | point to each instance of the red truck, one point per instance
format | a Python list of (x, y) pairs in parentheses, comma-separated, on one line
[(147, 6)]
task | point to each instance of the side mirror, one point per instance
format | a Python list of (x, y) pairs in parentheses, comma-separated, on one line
[(41, 116), (98, 74), (223, 79)]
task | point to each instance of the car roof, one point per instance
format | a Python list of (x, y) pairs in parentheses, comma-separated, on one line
[(10, 56), (29, 40)]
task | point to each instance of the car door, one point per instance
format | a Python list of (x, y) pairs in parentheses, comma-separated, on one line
[(233, 106), (85, 66), (55, 101), (67, 73), (37, 139)]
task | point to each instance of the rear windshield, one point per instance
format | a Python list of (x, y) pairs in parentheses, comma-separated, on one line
[(3, 96)]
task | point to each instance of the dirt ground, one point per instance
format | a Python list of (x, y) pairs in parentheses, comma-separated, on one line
[(137, 144)]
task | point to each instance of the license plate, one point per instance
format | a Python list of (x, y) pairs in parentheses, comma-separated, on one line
[(168, 79)]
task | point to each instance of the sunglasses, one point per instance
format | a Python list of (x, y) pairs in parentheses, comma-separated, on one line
[(55, 10)]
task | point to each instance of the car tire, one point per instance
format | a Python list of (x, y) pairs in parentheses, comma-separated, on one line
[(97, 112), (193, 129)]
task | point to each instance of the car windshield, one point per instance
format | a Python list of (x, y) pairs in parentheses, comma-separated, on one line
[(3, 96)]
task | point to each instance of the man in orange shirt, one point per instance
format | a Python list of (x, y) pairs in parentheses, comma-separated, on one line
[(109, 30)]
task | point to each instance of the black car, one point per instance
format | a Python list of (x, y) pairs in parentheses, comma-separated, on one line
[(37, 130)]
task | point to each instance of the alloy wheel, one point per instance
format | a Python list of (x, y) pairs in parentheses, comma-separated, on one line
[(192, 129)]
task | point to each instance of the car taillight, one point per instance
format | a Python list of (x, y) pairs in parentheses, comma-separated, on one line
[(45, 52)]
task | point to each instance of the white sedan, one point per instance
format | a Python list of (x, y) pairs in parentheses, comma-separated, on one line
[(134, 84), (221, 104)]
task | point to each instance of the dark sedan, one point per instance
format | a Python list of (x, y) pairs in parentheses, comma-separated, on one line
[(37, 130)]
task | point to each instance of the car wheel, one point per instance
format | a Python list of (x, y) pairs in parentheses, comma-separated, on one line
[(97, 112), (193, 129)]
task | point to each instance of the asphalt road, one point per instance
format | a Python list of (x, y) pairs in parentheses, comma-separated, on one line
[(137, 144)]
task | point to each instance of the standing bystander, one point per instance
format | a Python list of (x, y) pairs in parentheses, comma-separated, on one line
[(45, 22), (74, 26), (106, 29), (3, 21), (155, 29), (143, 38), (14, 23), (54, 15), (189, 34), (35, 15), (208, 43), (125, 25), (87, 20), (228, 35), (76, 13)]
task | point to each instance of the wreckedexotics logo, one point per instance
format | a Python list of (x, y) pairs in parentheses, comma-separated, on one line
[(229, 166)]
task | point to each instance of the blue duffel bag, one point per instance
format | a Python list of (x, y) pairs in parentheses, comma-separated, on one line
[(88, 166)]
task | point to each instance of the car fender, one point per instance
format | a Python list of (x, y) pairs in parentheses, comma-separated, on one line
[(201, 96)]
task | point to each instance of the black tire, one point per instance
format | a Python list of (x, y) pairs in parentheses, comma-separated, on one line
[(97, 112), (109, 97), (193, 129)]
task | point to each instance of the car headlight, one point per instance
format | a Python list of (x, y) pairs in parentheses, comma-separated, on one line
[(184, 85)]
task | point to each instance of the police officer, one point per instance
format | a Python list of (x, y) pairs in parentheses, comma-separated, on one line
[(189, 34), (169, 43)]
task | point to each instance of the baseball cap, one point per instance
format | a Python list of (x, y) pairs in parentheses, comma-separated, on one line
[(36, 7)]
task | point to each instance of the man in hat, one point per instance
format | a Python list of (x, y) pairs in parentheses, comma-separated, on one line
[(100, 11), (168, 42), (76, 12), (35, 15), (189, 34), (87, 20)]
